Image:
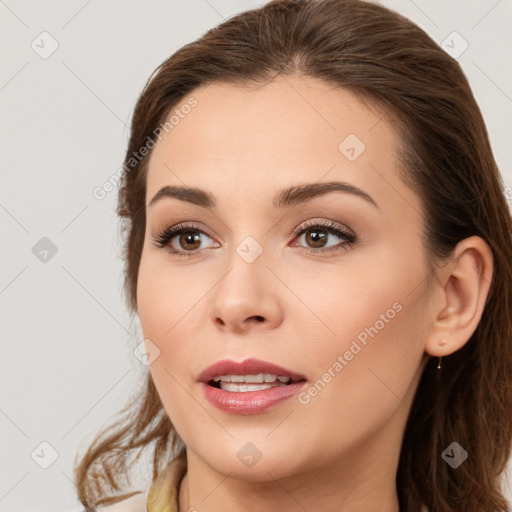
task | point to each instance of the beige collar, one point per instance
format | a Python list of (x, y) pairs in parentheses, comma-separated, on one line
[(164, 491)]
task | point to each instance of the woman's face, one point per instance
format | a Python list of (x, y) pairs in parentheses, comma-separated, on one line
[(344, 305)]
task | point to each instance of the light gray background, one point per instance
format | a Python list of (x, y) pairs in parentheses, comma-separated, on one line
[(67, 362)]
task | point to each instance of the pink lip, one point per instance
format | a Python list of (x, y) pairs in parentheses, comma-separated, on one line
[(250, 366), (250, 402)]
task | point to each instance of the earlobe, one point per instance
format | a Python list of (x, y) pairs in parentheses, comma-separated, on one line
[(464, 286)]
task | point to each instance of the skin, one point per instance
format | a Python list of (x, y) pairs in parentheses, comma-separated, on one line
[(341, 448)]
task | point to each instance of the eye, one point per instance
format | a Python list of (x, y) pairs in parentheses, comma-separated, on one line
[(187, 239), (316, 233)]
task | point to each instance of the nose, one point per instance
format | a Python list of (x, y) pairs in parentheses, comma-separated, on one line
[(246, 298)]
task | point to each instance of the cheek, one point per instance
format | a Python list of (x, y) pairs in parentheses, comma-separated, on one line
[(362, 294), (367, 377), (165, 297), (374, 327), (170, 311)]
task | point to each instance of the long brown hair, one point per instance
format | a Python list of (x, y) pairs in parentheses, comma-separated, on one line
[(446, 158)]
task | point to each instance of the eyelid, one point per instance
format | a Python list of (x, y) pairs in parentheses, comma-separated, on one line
[(325, 224)]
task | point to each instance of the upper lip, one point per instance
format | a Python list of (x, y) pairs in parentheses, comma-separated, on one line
[(250, 366)]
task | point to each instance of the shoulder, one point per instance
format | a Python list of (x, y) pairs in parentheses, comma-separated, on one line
[(136, 503)]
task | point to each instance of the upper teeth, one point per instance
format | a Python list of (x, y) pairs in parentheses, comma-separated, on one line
[(261, 377)]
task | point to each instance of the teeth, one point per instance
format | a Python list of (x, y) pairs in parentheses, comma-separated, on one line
[(244, 388), (258, 379)]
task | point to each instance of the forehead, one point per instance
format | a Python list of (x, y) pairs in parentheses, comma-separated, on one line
[(262, 138)]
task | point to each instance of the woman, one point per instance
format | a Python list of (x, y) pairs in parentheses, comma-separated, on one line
[(318, 248)]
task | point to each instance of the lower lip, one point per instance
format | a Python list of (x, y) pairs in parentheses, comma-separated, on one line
[(250, 402)]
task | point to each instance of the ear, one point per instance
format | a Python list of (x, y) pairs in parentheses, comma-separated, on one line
[(462, 287)]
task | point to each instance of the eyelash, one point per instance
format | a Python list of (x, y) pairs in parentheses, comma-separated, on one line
[(162, 239)]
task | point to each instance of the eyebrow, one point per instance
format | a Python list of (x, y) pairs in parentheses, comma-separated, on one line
[(291, 196)]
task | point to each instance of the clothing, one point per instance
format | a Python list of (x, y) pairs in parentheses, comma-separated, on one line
[(163, 494), (164, 491)]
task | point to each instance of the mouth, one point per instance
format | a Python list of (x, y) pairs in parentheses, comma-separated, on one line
[(249, 387), (248, 383)]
